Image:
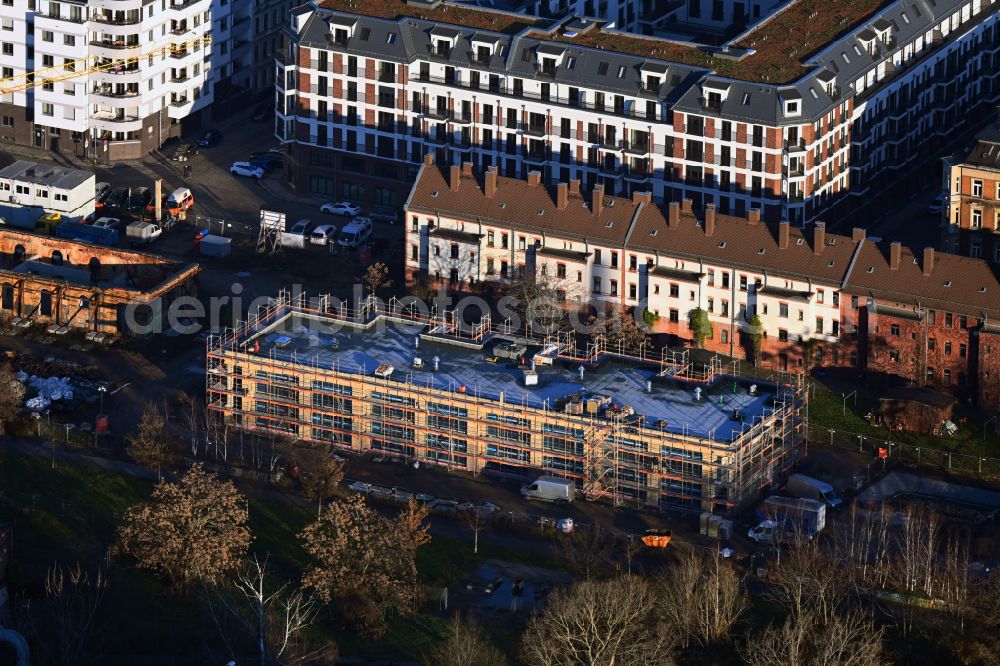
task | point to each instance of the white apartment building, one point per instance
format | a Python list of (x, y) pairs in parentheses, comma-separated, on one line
[(364, 97), (159, 64)]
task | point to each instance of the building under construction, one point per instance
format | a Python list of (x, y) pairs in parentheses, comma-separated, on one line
[(649, 430)]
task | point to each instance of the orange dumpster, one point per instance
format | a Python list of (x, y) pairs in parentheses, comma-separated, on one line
[(656, 538)]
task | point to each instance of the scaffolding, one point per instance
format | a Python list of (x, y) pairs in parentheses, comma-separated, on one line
[(610, 454)]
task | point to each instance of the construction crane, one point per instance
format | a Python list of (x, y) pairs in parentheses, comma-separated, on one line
[(92, 64)]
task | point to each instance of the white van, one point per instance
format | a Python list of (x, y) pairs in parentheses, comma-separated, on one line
[(356, 233), (323, 234), (180, 198), (550, 489)]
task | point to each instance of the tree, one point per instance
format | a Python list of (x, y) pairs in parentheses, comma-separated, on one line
[(599, 623), (700, 326), (586, 552), (376, 277), (192, 408), (536, 304), (365, 560), (191, 531), (808, 576), (843, 640), (320, 474), (475, 520), (466, 645), (64, 623), (274, 616), (701, 598), (11, 397), (619, 331), (757, 334), (148, 444)]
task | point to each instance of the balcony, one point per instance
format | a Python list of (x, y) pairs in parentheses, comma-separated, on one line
[(793, 171), (608, 143), (116, 43), (795, 146), (461, 118), (117, 18), (118, 116), (180, 101), (536, 156), (535, 130), (635, 148), (609, 168), (438, 114), (114, 92)]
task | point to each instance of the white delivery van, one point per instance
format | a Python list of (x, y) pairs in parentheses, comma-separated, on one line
[(806, 487), (356, 233), (142, 233), (550, 489)]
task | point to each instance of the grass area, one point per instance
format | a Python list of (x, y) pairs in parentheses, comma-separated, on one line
[(826, 411), (70, 514)]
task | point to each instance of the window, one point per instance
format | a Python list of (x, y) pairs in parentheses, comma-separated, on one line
[(977, 188), (783, 310), (782, 335), (632, 291), (47, 109), (977, 219), (894, 330), (633, 262), (7, 49), (947, 347), (614, 287), (743, 283), (47, 36), (597, 285), (931, 344), (962, 350), (675, 291), (819, 325), (675, 316), (489, 238), (724, 336), (561, 271)]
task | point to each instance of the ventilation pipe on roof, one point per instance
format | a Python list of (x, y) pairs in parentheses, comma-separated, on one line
[(597, 200), (673, 214), (895, 255), (491, 182), (456, 178), (709, 219), (784, 229), (928, 261), (562, 196), (819, 237)]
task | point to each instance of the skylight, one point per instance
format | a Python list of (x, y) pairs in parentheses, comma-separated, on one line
[(621, 71), (390, 38), (746, 99), (602, 69)]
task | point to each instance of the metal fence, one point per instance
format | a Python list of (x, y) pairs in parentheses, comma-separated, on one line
[(898, 452)]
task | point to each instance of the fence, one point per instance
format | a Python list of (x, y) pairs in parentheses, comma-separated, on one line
[(898, 452)]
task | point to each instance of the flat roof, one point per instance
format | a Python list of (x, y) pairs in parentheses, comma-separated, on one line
[(45, 174), (71, 273), (333, 344), (469, 16)]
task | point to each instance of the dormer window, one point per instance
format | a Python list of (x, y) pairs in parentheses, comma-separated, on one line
[(547, 66), (443, 41), (484, 47), (442, 47), (549, 58), (342, 29)]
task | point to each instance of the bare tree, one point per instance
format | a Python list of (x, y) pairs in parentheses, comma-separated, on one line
[(679, 593), (192, 409), (700, 597), (599, 623), (466, 645), (475, 520), (320, 474), (807, 574), (63, 624), (535, 303), (191, 531), (148, 445), (724, 601), (805, 639), (11, 397), (275, 616), (587, 552)]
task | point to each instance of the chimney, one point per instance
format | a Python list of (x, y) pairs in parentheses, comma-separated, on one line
[(709, 219), (783, 231), (819, 237), (858, 234), (686, 205), (642, 197), (562, 196), (428, 158), (466, 168), (928, 261), (753, 217), (534, 178), (490, 188), (574, 186), (456, 177), (673, 215), (895, 254), (597, 199)]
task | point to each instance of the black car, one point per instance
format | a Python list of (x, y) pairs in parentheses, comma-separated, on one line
[(267, 161), (141, 196), (210, 138), (184, 152), (263, 112), (118, 199)]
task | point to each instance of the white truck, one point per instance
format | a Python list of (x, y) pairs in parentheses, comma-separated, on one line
[(783, 519), (806, 487), (550, 489), (142, 233)]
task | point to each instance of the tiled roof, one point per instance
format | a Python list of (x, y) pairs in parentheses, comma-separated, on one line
[(956, 284)]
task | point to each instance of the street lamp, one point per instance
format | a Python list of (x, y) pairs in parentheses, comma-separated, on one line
[(101, 390)]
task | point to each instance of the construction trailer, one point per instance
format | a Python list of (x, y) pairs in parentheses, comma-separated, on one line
[(651, 430)]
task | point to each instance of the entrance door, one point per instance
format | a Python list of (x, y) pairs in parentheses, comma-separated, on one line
[(46, 304)]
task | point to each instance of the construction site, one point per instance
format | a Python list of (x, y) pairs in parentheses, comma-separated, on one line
[(656, 430)]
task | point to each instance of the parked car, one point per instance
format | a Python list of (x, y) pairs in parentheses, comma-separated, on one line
[(385, 214), (345, 208), (109, 223), (101, 190), (118, 199), (299, 228), (246, 169), (355, 233), (263, 112), (323, 234), (210, 138), (140, 198), (267, 161), (183, 152)]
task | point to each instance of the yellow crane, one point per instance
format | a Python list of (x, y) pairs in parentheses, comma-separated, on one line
[(91, 64)]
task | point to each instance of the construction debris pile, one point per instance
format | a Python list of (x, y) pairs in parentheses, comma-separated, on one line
[(47, 389)]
